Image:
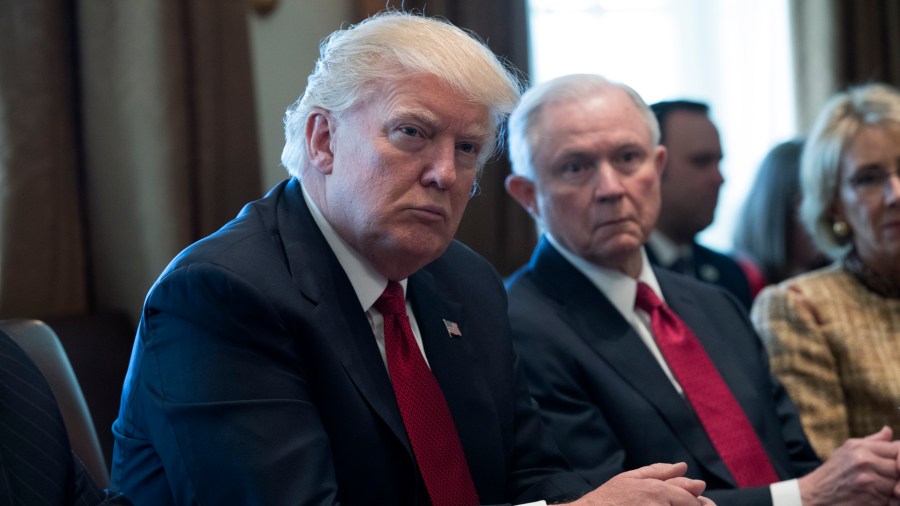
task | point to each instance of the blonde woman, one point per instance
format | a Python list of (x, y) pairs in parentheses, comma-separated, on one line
[(834, 334)]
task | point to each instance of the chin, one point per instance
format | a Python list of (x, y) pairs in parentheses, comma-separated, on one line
[(424, 250)]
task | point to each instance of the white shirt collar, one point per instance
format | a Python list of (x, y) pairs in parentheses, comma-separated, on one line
[(665, 249), (617, 286), (368, 283)]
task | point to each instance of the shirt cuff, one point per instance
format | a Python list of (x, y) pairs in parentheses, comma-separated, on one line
[(786, 493), (538, 503)]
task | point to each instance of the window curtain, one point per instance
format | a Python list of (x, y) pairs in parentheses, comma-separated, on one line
[(494, 225), (838, 43), (127, 131)]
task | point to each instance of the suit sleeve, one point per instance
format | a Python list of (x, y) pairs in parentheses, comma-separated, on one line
[(801, 357), (577, 423), (223, 396)]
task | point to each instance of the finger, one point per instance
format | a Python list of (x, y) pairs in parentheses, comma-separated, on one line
[(870, 482), (879, 478), (657, 471), (883, 449), (705, 501), (695, 487), (863, 450), (885, 467), (885, 434), (677, 496)]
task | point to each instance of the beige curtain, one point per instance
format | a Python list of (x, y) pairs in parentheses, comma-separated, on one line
[(42, 258), (838, 43), (494, 225), (127, 132)]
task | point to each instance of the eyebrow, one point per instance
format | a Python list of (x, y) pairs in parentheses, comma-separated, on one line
[(473, 131)]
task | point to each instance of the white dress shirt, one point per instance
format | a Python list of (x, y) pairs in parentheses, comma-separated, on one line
[(621, 291)]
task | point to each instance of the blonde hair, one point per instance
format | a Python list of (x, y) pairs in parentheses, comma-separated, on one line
[(834, 131), (389, 47)]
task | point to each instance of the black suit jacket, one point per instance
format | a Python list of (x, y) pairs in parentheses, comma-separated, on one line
[(719, 269), (607, 400), (36, 462), (256, 379)]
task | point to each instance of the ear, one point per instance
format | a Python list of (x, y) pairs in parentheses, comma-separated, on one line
[(319, 134), (836, 211), (523, 191), (660, 158)]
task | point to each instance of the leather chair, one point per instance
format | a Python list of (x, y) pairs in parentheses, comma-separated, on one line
[(41, 343)]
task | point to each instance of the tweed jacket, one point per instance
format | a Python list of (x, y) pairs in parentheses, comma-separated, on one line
[(835, 345)]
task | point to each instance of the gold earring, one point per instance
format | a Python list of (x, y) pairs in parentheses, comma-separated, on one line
[(841, 229)]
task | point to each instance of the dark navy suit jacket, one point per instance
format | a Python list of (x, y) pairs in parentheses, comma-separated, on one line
[(609, 403), (256, 379)]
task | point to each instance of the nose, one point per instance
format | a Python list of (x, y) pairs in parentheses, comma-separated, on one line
[(608, 184), (440, 170), (719, 178), (892, 188)]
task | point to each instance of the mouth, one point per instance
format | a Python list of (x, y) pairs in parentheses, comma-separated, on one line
[(430, 213), (613, 222)]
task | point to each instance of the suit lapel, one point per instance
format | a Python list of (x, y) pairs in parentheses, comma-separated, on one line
[(722, 355), (320, 278), (593, 317), (453, 362)]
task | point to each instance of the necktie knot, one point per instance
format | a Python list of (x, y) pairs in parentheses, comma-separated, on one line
[(646, 299), (392, 300)]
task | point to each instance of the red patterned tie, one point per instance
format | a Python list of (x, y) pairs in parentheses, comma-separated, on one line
[(426, 415), (719, 412)]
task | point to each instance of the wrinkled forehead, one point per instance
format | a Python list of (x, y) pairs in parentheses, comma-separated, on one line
[(422, 87)]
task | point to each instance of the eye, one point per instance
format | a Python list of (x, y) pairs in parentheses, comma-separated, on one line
[(705, 161), (574, 168), (631, 157), (575, 171), (468, 148), (629, 160), (868, 178), (410, 130)]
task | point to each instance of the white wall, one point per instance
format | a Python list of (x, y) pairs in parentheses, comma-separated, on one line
[(285, 45)]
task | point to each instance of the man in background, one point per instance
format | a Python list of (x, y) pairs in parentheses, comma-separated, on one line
[(690, 193), (333, 344), (632, 364)]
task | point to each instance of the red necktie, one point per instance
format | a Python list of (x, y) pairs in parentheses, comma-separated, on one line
[(722, 417), (426, 415)]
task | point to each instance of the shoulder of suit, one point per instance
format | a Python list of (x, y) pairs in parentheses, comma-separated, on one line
[(676, 282), (710, 255), (828, 284)]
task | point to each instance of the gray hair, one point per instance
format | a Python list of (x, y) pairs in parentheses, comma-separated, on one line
[(574, 87), (834, 131), (388, 48)]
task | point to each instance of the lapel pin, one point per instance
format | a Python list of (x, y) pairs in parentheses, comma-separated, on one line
[(452, 328)]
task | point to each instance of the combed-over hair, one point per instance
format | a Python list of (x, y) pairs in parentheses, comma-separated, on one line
[(391, 47)]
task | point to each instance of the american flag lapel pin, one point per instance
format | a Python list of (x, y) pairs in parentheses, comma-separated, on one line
[(452, 328)]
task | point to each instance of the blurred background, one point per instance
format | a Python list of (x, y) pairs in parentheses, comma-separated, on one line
[(130, 129)]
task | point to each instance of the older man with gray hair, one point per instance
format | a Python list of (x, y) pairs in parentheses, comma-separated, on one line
[(333, 344), (633, 364)]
